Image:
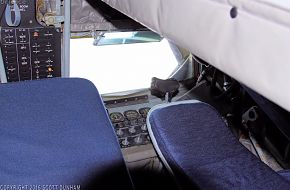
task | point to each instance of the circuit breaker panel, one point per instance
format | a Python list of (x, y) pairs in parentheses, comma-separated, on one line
[(31, 39)]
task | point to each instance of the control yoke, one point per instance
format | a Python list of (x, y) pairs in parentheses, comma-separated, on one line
[(164, 88)]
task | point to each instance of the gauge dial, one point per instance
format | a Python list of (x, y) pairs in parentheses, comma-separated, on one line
[(131, 114), (144, 111), (116, 117)]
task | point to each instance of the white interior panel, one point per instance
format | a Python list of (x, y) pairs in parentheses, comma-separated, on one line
[(254, 48)]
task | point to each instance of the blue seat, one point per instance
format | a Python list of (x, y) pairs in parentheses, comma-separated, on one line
[(57, 132), (201, 152), (285, 174)]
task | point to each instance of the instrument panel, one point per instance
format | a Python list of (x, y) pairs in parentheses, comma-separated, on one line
[(31, 49), (130, 127), (30, 53)]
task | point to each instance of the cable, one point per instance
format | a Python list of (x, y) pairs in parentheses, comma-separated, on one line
[(251, 140), (179, 67)]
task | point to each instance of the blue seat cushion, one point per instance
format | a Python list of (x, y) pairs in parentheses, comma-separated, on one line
[(200, 151), (57, 132), (285, 174)]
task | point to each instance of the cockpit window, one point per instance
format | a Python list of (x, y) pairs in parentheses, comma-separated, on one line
[(119, 63), (113, 38)]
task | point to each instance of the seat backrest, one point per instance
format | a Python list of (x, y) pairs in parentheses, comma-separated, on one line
[(200, 150), (57, 131)]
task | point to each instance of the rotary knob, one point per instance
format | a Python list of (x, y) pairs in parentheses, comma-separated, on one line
[(132, 130), (120, 132), (133, 122), (125, 142)]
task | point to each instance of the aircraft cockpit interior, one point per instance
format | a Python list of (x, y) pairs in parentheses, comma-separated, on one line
[(155, 94)]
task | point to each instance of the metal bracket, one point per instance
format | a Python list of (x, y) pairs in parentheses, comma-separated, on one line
[(250, 115)]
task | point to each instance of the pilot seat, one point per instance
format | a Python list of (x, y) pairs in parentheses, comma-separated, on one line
[(57, 132), (201, 152)]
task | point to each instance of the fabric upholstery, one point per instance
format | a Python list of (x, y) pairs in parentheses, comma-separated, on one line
[(285, 174), (202, 152), (57, 132)]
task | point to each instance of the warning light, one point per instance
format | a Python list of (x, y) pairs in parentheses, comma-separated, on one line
[(35, 34), (49, 69)]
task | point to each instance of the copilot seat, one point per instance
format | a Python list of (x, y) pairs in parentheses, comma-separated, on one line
[(201, 152), (57, 132)]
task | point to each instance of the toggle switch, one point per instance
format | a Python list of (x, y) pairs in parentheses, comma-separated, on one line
[(138, 139), (120, 132), (144, 127)]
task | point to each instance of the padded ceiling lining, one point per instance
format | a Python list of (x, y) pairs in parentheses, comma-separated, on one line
[(252, 48), (97, 15)]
